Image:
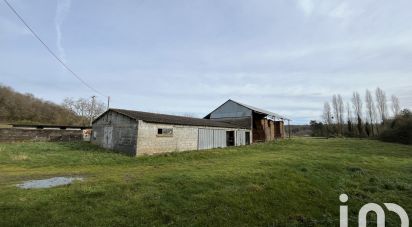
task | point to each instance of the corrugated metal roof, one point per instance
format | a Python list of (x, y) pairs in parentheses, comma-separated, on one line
[(172, 119), (261, 110), (255, 109)]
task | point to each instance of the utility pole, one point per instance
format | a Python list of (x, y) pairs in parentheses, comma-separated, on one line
[(108, 102), (289, 128), (92, 110)]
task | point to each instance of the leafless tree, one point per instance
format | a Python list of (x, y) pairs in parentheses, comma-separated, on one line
[(357, 106), (327, 113), (382, 105), (85, 108), (327, 116), (95, 108), (79, 106), (336, 111), (349, 118), (370, 109), (341, 110), (396, 109), (348, 112)]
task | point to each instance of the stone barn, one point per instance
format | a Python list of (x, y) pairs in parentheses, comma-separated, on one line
[(140, 133), (265, 125)]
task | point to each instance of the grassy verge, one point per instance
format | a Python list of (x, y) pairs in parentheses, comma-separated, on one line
[(291, 182)]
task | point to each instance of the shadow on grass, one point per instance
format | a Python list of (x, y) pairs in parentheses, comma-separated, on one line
[(80, 145)]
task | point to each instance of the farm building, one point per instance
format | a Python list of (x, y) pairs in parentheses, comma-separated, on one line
[(140, 133), (265, 125)]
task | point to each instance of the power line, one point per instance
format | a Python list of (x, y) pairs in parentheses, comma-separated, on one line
[(51, 52)]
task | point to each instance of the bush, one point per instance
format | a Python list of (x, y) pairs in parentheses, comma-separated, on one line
[(399, 130), (317, 128)]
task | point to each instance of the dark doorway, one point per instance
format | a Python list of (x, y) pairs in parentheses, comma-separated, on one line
[(258, 132), (230, 138), (278, 129), (247, 138)]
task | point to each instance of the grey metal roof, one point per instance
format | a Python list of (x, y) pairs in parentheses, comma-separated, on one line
[(261, 110), (172, 119)]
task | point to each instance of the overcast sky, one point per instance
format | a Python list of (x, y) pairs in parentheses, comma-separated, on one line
[(189, 56)]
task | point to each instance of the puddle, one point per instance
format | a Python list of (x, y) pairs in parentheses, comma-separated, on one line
[(49, 183)]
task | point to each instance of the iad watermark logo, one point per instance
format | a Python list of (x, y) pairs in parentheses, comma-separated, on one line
[(372, 207)]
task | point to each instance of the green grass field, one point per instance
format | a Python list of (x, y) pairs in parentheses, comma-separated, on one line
[(292, 182)]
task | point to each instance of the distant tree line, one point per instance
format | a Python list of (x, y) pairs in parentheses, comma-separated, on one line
[(368, 117), (16, 107), (300, 130)]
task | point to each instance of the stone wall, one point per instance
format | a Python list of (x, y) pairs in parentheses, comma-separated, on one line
[(18, 134)]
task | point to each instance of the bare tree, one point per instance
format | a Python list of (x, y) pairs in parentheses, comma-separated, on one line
[(85, 108), (95, 108), (381, 104), (396, 109), (370, 109), (336, 111), (327, 116), (79, 107), (357, 106), (327, 113), (341, 110), (349, 118)]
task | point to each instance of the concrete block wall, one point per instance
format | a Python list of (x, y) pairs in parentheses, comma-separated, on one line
[(123, 133), (184, 138), (149, 142)]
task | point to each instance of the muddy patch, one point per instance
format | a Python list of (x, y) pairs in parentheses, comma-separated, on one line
[(48, 183)]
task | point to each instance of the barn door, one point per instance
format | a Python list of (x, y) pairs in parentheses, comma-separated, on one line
[(211, 138), (247, 138), (205, 139), (108, 142)]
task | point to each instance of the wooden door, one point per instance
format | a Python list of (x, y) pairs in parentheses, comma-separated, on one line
[(108, 137)]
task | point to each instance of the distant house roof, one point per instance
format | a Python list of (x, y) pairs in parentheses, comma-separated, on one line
[(172, 119), (255, 109)]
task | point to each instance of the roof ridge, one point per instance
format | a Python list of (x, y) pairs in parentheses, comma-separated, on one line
[(260, 110), (172, 119), (171, 115)]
